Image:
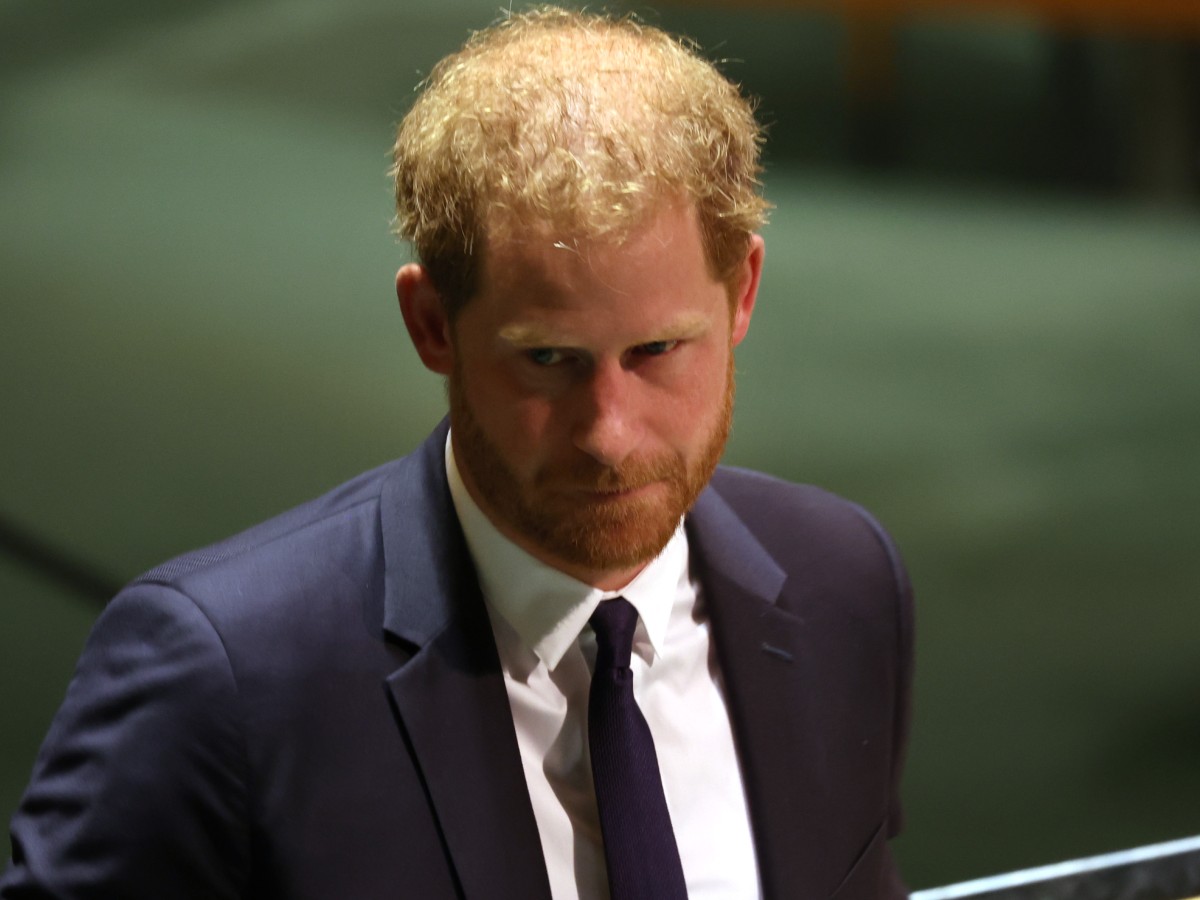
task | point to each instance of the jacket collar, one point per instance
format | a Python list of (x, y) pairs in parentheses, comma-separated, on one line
[(428, 577)]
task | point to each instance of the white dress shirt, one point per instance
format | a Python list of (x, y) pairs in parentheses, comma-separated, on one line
[(540, 618)]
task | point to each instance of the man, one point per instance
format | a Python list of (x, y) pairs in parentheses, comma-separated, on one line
[(419, 685)]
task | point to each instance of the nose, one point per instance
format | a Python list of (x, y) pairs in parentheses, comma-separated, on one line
[(606, 426)]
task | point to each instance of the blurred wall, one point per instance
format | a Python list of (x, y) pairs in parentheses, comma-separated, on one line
[(979, 318)]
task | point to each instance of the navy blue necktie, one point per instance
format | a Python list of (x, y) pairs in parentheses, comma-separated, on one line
[(639, 844)]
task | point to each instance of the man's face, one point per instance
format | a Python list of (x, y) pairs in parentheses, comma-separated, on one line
[(591, 391)]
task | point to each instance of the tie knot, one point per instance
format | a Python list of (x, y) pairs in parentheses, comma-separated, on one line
[(614, 622)]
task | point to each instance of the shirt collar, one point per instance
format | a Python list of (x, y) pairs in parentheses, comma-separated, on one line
[(548, 608)]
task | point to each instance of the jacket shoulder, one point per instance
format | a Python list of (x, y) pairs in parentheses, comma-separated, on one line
[(837, 557), (287, 532), (786, 517)]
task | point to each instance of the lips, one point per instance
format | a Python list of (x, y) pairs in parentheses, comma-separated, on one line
[(613, 482), (610, 495)]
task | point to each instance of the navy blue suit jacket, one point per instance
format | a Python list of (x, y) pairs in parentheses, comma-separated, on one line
[(315, 708)]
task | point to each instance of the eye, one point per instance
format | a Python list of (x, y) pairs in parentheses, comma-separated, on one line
[(544, 356), (656, 348)]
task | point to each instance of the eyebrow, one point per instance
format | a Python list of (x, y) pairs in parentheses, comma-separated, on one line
[(682, 328)]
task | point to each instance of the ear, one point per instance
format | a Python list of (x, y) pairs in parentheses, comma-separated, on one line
[(746, 288), (425, 317)]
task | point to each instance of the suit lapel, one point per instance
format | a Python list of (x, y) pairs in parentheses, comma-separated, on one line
[(774, 707), (450, 696)]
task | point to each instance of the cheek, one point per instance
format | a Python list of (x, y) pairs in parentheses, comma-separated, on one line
[(693, 403), (530, 422), (521, 426)]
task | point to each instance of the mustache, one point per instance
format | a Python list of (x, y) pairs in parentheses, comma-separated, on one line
[(591, 477)]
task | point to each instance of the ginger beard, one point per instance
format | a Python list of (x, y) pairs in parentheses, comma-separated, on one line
[(557, 511)]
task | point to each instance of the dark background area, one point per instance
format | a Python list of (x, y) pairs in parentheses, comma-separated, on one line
[(979, 318)]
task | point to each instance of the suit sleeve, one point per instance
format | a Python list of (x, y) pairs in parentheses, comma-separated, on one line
[(140, 788), (893, 886)]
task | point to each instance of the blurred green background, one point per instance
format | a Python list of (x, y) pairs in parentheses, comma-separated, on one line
[(979, 318)]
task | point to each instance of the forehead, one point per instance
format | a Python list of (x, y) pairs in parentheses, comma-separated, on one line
[(554, 259), (542, 283)]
